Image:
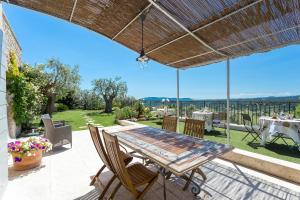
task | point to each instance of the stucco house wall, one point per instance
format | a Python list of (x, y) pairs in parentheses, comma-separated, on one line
[(8, 42)]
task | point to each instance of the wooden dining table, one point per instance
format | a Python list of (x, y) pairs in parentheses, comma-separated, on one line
[(173, 152)]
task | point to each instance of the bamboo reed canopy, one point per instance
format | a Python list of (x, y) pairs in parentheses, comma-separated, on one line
[(184, 33)]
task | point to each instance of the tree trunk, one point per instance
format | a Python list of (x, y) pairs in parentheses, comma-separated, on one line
[(108, 106), (50, 103), (13, 129)]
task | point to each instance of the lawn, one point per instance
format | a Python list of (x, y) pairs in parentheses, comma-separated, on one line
[(78, 119), (278, 150)]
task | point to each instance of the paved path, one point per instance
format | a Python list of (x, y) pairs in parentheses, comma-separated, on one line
[(89, 120)]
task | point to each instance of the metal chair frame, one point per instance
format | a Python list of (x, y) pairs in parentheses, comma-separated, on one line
[(251, 131)]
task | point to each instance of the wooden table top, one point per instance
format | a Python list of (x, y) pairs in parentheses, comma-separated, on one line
[(176, 152)]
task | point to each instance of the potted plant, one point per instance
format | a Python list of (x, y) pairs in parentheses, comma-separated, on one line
[(27, 153)]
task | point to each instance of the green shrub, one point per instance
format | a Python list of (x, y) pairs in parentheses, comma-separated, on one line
[(61, 107), (125, 113), (147, 113), (139, 108), (26, 100)]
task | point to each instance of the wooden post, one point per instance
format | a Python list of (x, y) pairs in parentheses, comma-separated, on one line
[(228, 101)]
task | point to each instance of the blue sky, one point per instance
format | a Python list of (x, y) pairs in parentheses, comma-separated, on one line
[(275, 73)]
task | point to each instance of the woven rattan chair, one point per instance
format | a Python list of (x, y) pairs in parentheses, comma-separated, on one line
[(252, 130), (56, 131), (194, 127), (126, 158), (169, 123), (130, 177)]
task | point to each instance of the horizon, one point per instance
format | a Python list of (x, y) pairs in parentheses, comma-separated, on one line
[(193, 99), (258, 75)]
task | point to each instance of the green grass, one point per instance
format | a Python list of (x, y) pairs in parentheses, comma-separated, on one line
[(278, 150), (73, 118), (78, 121), (102, 118)]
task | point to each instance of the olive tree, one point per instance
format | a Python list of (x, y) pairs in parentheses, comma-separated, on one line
[(54, 79), (109, 89)]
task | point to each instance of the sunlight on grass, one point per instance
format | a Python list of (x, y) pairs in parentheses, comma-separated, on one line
[(78, 118), (103, 119), (73, 118)]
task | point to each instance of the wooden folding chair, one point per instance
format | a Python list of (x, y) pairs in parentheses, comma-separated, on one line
[(252, 131), (131, 177), (169, 123), (195, 128), (126, 158)]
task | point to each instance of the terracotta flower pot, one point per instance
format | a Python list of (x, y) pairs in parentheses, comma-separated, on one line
[(27, 161)]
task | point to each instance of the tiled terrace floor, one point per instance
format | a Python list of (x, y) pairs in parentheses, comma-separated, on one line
[(65, 175)]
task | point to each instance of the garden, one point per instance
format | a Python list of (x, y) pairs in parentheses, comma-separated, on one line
[(53, 88)]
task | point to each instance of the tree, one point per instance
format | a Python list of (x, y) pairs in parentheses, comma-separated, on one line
[(71, 100), (54, 79), (90, 101), (109, 89), (26, 99)]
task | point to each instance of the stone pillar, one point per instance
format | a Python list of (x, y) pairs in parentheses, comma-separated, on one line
[(3, 112)]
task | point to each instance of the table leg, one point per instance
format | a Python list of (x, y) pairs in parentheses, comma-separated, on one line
[(196, 189), (264, 137), (163, 174)]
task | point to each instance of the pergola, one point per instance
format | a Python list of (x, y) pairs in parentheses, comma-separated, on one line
[(185, 33)]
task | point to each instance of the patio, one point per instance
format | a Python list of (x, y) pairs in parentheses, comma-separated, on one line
[(65, 174)]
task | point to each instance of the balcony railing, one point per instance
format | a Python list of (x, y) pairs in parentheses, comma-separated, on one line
[(255, 108)]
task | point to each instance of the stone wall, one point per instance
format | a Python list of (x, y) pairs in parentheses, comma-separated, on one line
[(11, 45), (3, 114), (8, 43)]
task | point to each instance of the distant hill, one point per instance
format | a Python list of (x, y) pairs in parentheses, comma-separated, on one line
[(161, 98), (271, 98)]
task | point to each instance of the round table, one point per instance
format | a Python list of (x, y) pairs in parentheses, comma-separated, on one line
[(205, 116), (288, 127)]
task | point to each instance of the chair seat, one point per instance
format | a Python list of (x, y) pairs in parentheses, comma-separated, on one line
[(140, 174), (126, 157)]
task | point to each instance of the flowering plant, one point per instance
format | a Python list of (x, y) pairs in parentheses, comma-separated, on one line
[(28, 147)]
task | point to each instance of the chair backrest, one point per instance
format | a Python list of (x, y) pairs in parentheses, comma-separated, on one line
[(194, 127), (247, 119), (99, 146), (114, 155), (169, 123), (48, 124)]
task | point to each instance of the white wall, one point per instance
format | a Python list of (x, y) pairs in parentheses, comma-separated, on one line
[(3, 115)]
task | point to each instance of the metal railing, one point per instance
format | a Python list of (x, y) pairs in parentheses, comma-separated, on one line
[(255, 108)]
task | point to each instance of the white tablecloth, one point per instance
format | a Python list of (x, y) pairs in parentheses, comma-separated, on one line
[(206, 116), (270, 127)]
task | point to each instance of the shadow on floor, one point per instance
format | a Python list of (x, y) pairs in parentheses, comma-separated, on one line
[(231, 183), (13, 174), (57, 150), (223, 182)]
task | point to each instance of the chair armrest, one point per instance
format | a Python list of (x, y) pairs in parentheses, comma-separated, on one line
[(63, 128), (123, 148), (59, 123)]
